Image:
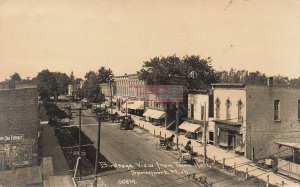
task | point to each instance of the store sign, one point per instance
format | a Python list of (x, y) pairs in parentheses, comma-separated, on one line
[(11, 138)]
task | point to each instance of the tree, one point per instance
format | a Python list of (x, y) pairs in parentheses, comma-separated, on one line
[(295, 83), (46, 84), (63, 81), (91, 89), (15, 77), (191, 71), (243, 76), (281, 81)]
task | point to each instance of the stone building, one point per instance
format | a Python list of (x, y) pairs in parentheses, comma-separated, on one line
[(19, 124)]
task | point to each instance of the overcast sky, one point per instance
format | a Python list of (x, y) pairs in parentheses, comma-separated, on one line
[(83, 35)]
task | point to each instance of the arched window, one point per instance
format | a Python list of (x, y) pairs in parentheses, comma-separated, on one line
[(228, 104), (240, 115), (218, 104)]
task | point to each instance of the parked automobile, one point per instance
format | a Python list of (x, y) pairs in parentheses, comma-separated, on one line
[(156, 122)]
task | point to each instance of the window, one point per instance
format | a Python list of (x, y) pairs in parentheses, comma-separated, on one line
[(228, 104), (298, 109), (192, 111), (202, 112), (276, 110), (240, 116), (218, 103)]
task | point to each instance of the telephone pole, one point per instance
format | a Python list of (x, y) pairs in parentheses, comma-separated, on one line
[(79, 162), (177, 122), (204, 135), (98, 150)]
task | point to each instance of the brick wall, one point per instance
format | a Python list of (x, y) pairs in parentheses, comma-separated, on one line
[(262, 130), (18, 116)]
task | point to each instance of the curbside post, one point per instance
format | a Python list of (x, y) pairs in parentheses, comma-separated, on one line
[(234, 168), (268, 181), (159, 134), (247, 175), (223, 163), (154, 132), (282, 184), (214, 160)]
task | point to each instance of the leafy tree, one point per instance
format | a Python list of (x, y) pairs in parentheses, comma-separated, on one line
[(295, 83), (63, 81), (91, 89), (281, 81), (191, 71), (46, 84), (15, 77), (243, 76)]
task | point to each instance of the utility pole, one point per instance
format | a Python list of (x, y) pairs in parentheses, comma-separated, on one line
[(98, 150), (166, 115), (110, 104), (204, 135), (177, 122), (126, 107), (79, 162)]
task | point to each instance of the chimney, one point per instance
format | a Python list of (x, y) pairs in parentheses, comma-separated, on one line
[(270, 81)]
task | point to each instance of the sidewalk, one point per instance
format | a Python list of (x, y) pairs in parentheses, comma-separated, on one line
[(231, 159)]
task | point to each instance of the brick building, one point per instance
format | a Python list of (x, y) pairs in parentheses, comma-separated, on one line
[(255, 120), (273, 115), (130, 92), (19, 127)]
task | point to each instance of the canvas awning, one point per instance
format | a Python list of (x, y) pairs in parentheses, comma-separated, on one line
[(190, 127), (289, 144), (134, 105), (156, 114)]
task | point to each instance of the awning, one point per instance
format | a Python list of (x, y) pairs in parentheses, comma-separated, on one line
[(288, 144), (190, 127), (156, 114), (134, 105)]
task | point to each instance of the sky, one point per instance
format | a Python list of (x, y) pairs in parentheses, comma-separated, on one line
[(83, 35)]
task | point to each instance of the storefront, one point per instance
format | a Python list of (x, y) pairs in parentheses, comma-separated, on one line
[(134, 107), (229, 136), (154, 116), (192, 130)]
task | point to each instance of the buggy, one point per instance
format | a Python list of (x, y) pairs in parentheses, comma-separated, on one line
[(127, 123)]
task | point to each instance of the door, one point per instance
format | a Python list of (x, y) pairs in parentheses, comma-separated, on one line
[(211, 137)]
